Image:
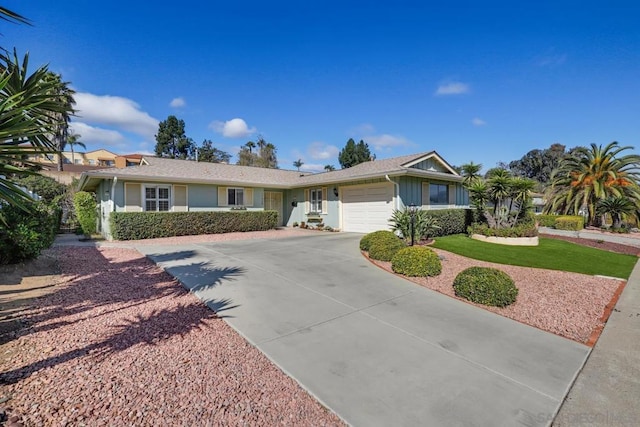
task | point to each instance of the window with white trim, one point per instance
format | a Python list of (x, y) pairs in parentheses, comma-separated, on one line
[(315, 200), (235, 196), (438, 194), (156, 198)]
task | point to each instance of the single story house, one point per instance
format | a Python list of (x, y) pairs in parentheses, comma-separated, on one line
[(357, 199)]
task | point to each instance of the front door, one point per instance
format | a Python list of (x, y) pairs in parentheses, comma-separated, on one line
[(273, 202)]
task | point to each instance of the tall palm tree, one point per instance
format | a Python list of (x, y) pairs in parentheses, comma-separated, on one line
[(470, 172), (298, 163), (64, 95), (591, 175), (28, 118), (250, 145), (73, 140), (329, 168)]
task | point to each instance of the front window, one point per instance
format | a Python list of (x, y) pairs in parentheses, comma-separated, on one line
[(316, 200), (235, 196), (78, 161), (438, 194), (156, 199)]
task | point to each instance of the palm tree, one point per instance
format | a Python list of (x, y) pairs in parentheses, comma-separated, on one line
[(617, 207), (470, 172), (329, 168), (250, 145), (64, 95), (28, 118), (591, 175), (298, 163), (72, 141)]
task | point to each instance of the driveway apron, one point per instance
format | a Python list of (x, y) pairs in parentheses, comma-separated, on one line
[(374, 348)]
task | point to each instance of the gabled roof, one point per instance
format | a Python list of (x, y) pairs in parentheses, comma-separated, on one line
[(159, 169)]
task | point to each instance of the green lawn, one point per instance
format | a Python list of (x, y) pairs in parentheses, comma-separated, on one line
[(551, 254)]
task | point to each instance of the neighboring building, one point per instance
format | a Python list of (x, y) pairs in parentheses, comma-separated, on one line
[(358, 199), (100, 158)]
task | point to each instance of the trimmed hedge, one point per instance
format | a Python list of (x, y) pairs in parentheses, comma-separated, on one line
[(85, 206), (365, 242), (569, 222), (383, 245), (451, 221), (151, 225), (416, 261), (522, 230), (488, 286), (547, 220)]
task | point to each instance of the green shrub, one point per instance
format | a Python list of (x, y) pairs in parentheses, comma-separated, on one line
[(547, 220), (569, 222), (150, 225), (47, 188), (28, 233), (521, 230), (366, 240), (487, 286), (86, 211), (416, 261), (383, 246), (451, 221)]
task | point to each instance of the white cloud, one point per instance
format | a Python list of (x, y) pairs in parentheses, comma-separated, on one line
[(478, 122), (234, 128), (115, 111), (312, 167), (452, 88), (321, 151), (385, 141), (177, 102), (364, 128), (95, 135)]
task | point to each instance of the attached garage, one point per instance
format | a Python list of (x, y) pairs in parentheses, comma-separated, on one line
[(367, 208)]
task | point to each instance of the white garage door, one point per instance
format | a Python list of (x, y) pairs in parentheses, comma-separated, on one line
[(367, 208)]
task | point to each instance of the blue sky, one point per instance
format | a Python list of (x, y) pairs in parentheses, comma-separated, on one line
[(483, 81)]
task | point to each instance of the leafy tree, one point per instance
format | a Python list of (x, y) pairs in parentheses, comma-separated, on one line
[(617, 207), (43, 186), (353, 154), (329, 168), (72, 141), (171, 140), (539, 164), (208, 153), (267, 155), (298, 164), (591, 175)]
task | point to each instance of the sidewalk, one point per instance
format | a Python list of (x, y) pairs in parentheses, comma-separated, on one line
[(623, 239)]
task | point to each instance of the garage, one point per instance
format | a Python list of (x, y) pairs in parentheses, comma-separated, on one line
[(367, 208)]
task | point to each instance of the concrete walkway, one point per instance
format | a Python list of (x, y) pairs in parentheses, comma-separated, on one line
[(623, 239), (374, 348)]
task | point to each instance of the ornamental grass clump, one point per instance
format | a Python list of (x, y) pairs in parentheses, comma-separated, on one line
[(488, 286), (416, 261)]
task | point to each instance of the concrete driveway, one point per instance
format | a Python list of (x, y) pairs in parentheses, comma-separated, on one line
[(374, 348)]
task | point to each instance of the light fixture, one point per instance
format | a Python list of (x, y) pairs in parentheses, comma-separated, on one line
[(412, 212), (335, 191)]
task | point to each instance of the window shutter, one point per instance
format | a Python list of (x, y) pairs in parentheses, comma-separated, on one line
[(180, 198), (452, 194), (425, 194), (325, 202), (222, 196), (307, 201), (248, 196), (132, 197)]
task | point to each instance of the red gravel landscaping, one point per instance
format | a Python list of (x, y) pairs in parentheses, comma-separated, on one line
[(121, 343)]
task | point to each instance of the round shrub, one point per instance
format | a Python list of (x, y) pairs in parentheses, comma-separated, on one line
[(383, 248), (487, 286), (416, 261), (365, 242)]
